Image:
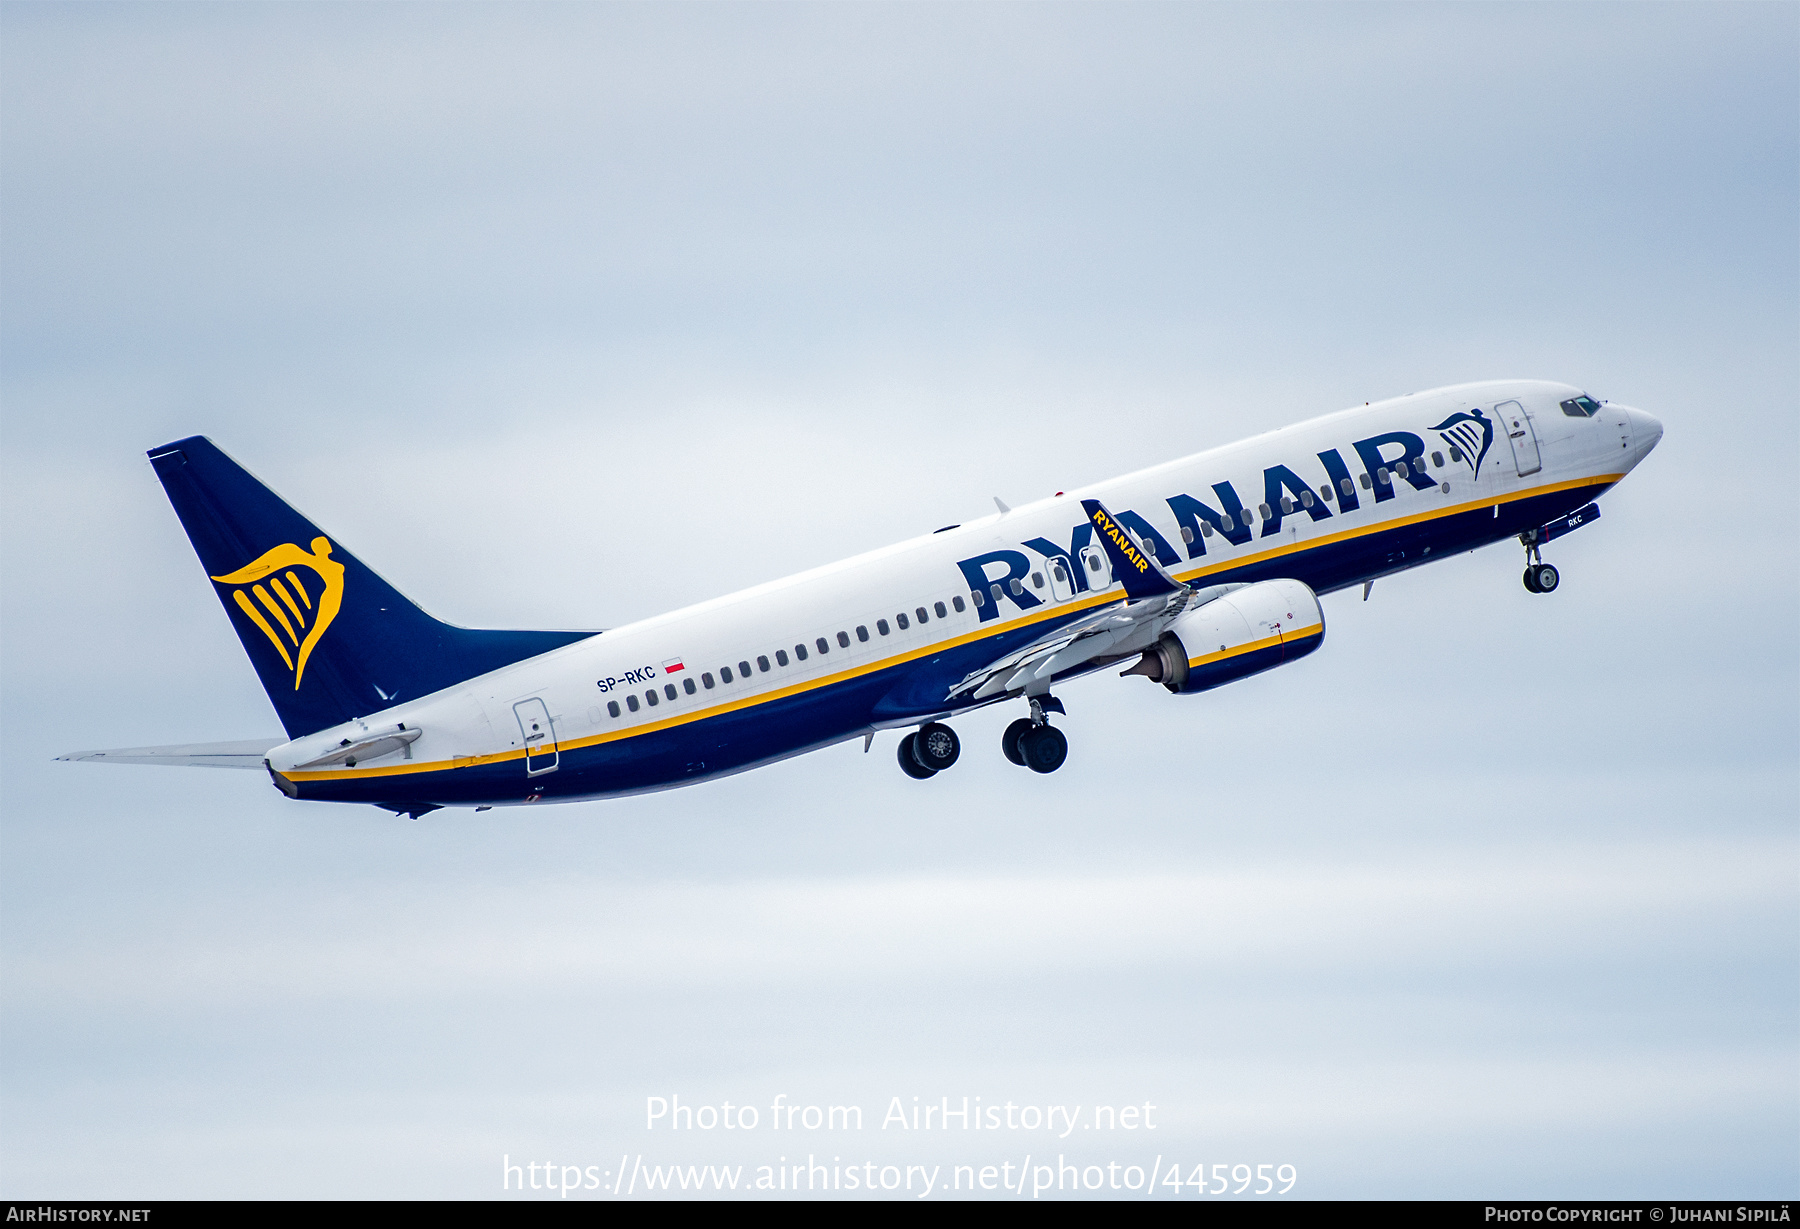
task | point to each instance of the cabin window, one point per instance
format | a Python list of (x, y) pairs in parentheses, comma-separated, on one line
[(725, 673), (900, 622), (923, 617), (612, 708), (881, 626), (1401, 469), (1381, 475), (687, 685), (1037, 580), (631, 703), (1367, 482), (799, 651), (669, 690), (996, 591), (1326, 492), (1306, 499), (762, 663), (1287, 505), (651, 697), (706, 680), (1206, 529), (1093, 563), (938, 607), (1016, 586), (843, 640), (1226, 523), (862, 633), (958, 603), (744, 668), (780, 657), (1437, 459), (1344, 485), (1187, 535), (1455, 453), (976, 597)]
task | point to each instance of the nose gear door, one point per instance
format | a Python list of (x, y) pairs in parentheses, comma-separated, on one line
[(1517, 424), (540, 736)]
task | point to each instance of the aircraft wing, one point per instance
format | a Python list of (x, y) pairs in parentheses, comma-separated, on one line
[(1111, 632), (243, 754)]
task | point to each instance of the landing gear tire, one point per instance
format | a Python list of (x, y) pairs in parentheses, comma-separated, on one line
[(1531, 580), (1009, 741), (1547, 578), (1044, 748), (935, 746), (909, 764)]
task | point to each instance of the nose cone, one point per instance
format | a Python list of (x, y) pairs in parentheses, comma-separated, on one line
[(1642, 431)]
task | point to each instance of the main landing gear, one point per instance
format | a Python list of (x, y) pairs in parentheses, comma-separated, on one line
[(929, 750), (1540, 577), (1032, 742)]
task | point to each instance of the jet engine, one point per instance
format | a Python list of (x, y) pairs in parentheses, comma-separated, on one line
[(1245, 632)]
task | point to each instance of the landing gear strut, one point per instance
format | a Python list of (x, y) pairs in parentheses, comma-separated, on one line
[(1032, 742), (1540, 577)]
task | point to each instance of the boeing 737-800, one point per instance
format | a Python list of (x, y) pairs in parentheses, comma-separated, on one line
[(1190, 575)]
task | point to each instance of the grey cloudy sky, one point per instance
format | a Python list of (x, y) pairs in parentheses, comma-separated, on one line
[(566, 315)]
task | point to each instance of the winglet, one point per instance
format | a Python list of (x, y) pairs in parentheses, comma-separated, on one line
[(1142, 575)]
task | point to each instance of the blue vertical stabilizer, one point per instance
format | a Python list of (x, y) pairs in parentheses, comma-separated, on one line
[(330, 639)]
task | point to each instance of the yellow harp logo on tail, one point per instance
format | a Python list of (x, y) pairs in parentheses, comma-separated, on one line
[(300, 592)]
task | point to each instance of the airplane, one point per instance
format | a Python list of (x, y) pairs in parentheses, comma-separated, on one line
[(1192, 574)]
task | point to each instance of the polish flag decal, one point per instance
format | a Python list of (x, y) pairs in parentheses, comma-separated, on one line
[(673, 666)]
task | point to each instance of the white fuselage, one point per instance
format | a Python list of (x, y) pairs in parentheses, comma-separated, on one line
[(882, 663)]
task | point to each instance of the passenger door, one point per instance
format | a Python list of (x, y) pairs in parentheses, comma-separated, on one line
[(1099, 568), (1517, 425), (540, 736)]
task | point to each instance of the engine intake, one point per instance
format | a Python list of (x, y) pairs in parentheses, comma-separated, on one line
[(1245, 632)]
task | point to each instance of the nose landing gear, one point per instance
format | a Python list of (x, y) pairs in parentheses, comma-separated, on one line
[(1032, 742), (1540, 577)]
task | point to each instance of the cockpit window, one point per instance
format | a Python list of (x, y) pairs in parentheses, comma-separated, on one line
[(1581, 407)]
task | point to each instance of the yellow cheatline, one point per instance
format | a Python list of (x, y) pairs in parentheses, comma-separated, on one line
[(1361, 531), (256, 618), (287, 599), (262, 595), (1267, 642)]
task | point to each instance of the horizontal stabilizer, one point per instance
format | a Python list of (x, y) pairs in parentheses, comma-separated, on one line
[(241, 754), (376, 745)]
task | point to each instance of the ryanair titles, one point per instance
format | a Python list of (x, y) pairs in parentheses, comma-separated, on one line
[(1007, 574)]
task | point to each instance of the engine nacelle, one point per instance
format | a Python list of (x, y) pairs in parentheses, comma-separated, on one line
[(1245, 632)]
